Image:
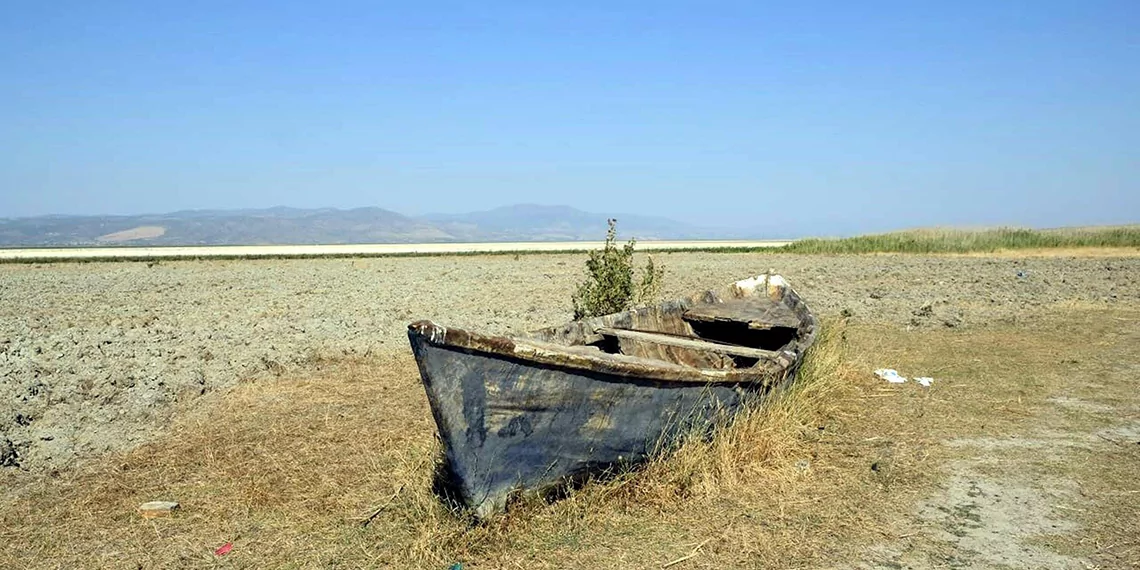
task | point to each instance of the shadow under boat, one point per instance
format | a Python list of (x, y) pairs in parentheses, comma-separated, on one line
[(537, 411)]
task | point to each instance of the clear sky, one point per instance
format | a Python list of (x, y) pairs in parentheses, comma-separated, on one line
[(856, 116)]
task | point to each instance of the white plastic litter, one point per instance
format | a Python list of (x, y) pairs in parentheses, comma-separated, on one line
[(890, 375)]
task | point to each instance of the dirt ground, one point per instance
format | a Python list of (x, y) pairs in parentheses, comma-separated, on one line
[(98, 358)]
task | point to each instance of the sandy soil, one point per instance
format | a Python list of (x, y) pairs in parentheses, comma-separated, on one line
[(95, 357)]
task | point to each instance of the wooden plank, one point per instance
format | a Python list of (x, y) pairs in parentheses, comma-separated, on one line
[(692, 343), (595, 353), (759, 314)]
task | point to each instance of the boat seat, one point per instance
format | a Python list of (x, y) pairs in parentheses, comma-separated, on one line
[(759, 314), (593, 353), (687, 342)]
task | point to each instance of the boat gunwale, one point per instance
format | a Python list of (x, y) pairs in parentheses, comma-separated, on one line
[(560, 356), (573, 357)]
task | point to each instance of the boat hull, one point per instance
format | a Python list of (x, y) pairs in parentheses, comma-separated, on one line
[(510, 424)]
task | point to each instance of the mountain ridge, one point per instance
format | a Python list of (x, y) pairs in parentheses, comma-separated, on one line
[(283, 225)]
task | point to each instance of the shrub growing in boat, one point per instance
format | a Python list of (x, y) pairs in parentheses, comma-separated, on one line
[(610, 285)]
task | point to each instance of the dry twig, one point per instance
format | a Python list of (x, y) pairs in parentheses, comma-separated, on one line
[(687, 556)]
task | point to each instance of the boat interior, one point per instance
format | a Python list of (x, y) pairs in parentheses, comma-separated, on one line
[(710, 333)]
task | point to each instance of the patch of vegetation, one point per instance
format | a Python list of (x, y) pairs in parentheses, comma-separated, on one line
[(966, 241), (611, 285)]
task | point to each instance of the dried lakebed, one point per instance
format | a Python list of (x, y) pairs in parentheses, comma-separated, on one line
[(95, 357)]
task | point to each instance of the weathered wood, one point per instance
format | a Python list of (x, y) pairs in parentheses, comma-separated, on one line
[(539, 410), (533, 348), (154, 509), (689, 357), (759, 314), (695, 344), (665, 317), (509, 427)]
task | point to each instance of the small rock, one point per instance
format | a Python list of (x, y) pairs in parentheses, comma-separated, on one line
[(157, 509), (8, 455), (924, 311)]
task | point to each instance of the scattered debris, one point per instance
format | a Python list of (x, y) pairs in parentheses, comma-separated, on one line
[(688, 556), (9, 457), (940, 311), (376, 512), (890, 375), (157, 508), (224, 549)]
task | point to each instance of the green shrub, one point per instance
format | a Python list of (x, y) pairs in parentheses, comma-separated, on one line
[(610, 286)]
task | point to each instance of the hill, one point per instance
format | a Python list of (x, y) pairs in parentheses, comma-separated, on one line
[(292, 226)]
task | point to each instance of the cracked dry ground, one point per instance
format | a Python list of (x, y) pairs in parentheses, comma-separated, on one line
[(1023, 454)]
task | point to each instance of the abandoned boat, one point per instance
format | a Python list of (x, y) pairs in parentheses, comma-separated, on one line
[(535, 411)]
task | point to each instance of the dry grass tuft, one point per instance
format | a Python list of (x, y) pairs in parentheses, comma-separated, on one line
[(763, 448)]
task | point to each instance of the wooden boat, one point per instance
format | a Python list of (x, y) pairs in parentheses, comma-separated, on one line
[(540, 410)]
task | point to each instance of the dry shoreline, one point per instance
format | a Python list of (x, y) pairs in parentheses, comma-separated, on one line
[(94, 356)]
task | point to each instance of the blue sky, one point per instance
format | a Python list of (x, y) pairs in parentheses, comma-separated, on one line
[(827, 116)]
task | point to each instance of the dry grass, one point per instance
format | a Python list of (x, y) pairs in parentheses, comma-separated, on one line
[(765, 447), (273, 467), (287, 469)]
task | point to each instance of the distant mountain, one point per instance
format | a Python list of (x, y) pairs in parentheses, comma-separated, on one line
[(286, 226), (290, 226)]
